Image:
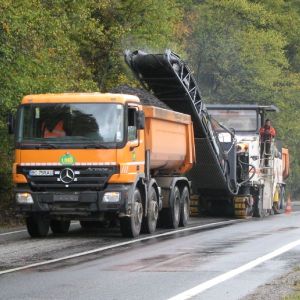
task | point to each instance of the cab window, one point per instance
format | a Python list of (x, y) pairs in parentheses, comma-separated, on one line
[(132, 132)]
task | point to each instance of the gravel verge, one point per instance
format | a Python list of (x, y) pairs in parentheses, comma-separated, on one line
[(285, 287), (10, 219)]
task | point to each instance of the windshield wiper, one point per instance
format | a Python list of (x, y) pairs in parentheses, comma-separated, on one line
[(95, 145), (45, 145)]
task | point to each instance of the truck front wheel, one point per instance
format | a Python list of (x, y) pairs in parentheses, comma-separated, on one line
[(37, 225), (131, 226)]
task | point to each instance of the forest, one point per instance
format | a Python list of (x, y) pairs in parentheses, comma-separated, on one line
[(241, 51)]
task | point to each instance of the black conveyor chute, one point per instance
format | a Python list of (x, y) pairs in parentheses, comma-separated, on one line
[(172, 82)]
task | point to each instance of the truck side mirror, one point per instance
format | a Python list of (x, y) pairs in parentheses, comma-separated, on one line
[(140, 120), (11, 123)]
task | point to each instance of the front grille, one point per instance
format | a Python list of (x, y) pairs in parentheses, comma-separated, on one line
[(85, 177)]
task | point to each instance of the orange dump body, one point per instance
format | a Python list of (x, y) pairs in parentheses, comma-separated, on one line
[(286, 163), (169, 137)]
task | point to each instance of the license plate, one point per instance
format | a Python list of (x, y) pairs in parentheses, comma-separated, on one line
[(65, 197), (41, 172)]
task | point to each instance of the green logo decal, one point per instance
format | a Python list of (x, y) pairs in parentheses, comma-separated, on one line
[(67, 159)]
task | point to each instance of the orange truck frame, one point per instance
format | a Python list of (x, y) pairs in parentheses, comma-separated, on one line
[(98, 158)]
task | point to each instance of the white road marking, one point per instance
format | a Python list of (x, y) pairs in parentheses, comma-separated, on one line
[(101, 249), (13, 232), (228, 275), (24, 230)]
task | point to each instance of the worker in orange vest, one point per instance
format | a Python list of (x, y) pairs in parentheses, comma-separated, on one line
[(266, 133), (56, 131)]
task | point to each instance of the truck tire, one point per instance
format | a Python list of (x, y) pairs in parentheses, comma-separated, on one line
[(37, 226), (171, 215), (58, 226), (184, 207), (150, 221), (131, 226)]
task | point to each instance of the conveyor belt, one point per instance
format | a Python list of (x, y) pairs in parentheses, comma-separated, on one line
[(172, 82)]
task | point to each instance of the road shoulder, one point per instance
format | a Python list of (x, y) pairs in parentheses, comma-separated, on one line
[(285, 287)]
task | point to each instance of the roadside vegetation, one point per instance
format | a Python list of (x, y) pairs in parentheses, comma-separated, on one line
[(241, 51), (295, 295)]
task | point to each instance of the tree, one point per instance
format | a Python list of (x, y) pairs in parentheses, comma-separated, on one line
[(36, 56), (107, 28), (238, 59), (248, 52)]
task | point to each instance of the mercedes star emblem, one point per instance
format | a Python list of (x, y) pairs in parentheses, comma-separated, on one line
[(67, 175)]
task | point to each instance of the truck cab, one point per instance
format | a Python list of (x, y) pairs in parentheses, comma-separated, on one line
[(76, 157)]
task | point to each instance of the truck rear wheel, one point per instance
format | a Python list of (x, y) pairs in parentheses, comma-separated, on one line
[(184, 207), (131, 226), (58, 226), (171, 215), (37, 225), (150, 221)]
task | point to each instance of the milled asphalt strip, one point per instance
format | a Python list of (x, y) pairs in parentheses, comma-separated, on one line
[(211, 225), (228, 275)]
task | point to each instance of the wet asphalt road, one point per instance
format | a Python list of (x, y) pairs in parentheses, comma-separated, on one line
[(18, 249), (157, 269)]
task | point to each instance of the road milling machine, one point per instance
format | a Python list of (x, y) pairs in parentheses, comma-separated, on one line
[(264, 169), (229, 176)]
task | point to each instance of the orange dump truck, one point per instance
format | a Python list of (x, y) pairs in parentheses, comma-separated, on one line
[(101, 157)]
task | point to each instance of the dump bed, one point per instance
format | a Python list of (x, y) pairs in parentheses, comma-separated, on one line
[(169, 138)]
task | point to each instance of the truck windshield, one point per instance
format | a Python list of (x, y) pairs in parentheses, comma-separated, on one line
[(240, 120), (54, 124)]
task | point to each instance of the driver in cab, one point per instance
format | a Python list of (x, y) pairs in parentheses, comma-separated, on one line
[(52, 129)]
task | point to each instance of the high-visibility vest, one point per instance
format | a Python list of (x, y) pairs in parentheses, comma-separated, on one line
[(58, 130), (271, 133)]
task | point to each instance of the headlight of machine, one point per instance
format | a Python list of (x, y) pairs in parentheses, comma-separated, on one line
[(111, 197), (24, 198)]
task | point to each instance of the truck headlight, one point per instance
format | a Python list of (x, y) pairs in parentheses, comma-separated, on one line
[(24, 198), (111, 197)]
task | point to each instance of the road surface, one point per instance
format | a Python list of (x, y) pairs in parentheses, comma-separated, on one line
[(228, 262)]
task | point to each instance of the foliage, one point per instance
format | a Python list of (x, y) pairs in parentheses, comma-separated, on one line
[(65, 45), (237, 58), (249, 52), (241, 51), (126, 25)]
